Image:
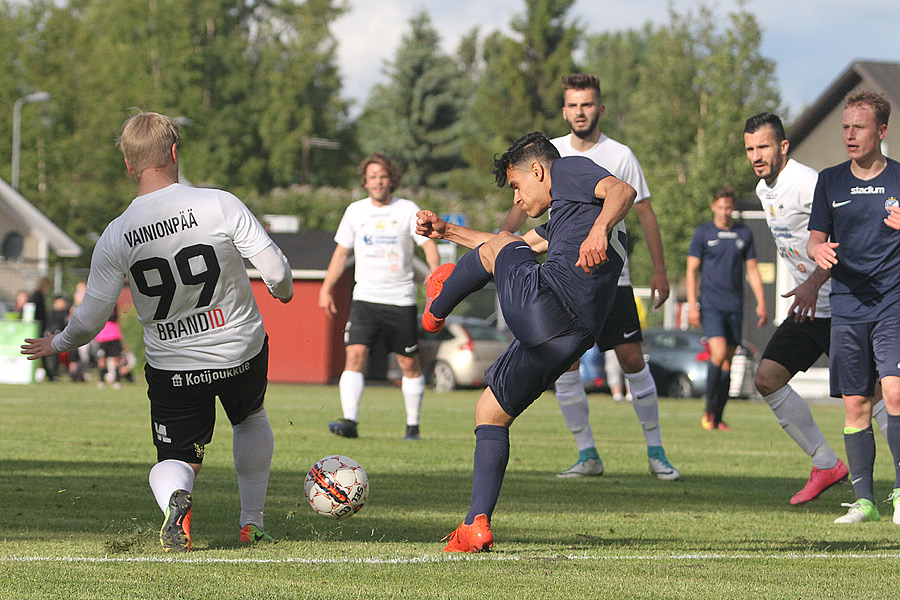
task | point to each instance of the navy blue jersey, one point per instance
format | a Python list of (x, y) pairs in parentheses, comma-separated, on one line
[(866, 281), (573, 210), (722, 254)]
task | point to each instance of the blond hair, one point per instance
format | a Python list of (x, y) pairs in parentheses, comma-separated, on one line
[(147, 140), (877, 103)]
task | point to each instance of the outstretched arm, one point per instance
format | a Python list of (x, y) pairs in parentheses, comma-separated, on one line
[(86, 322), (433, 227)]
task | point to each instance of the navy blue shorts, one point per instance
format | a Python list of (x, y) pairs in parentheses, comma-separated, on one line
[(797, 346), (861, 352), (719, 323), (549, 337)]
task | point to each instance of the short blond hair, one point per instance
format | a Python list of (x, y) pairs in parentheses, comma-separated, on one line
[(147, 140), (877, 103)]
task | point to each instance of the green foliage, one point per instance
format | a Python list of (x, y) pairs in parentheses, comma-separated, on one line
[(679, 95), (249, 81), (79, 520), (415, 116), (255, 81), (518, 89)]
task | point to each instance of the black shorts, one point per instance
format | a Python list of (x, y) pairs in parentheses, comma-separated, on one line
[(623, 325), (797, 346), (395, 326), (110, 349), (183, 403)]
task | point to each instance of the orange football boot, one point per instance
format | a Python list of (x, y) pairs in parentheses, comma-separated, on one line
[(476, 537)]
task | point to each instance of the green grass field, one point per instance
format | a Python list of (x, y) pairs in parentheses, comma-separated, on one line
[(78, 519)]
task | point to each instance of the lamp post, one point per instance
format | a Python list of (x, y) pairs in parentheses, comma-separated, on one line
[(17, 126)]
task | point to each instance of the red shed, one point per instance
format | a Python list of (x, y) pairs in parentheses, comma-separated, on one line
[(305, 346)]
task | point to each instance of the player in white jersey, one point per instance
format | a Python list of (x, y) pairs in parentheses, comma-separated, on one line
[(785, 190), (380, 232), (182, 251), (582, 109)]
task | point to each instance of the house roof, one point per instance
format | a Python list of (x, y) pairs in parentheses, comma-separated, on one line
[(15, 204), (884, 77)]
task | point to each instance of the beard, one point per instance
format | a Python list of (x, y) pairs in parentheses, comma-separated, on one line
[(584, 131)]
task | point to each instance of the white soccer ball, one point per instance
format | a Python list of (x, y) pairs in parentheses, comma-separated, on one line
[(337, 487)]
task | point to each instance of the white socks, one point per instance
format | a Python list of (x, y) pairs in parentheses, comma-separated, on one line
[(351, 387), (646, 404), (168, 476), (253, 445), (796, 419), (573, 403), (413, 389)]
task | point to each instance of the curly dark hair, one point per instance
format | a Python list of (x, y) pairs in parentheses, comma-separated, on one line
[(381, 159), (530, 146)]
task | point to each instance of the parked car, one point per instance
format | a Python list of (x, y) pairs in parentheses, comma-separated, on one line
[(678, 361), (457, 355)]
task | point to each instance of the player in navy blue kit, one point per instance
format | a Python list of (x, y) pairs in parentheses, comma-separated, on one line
[(718, 252), (556, 309), (853, 232)]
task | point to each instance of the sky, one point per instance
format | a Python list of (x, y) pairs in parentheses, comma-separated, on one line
[(811, 41)]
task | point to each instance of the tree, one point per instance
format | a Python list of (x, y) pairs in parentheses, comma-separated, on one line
[(250, 81), (518, 90), (415, 116), (680, 94)]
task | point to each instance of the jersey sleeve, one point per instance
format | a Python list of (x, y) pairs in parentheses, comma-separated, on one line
[(541, 230), (749, 247), (247, 234), (633, 175), (344, 235), (696, 247), (820, 216), (107, 274)]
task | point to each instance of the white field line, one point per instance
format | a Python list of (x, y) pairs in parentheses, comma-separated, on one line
[(443, 558)]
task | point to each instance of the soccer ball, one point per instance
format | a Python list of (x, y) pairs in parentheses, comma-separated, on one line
[(336, 487)]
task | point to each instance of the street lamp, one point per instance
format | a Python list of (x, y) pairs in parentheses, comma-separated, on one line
[(17, 126)]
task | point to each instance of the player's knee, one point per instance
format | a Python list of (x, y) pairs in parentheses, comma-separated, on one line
[(770, 377), (763, 384)]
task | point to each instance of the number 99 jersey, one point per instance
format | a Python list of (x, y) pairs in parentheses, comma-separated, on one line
[(182, 250)]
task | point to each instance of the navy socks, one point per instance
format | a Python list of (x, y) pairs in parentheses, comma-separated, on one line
[(860, 448), (491, 456)]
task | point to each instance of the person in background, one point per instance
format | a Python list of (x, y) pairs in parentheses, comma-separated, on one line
[(380, 233), (719, 251)]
